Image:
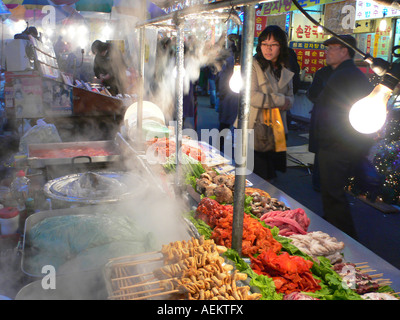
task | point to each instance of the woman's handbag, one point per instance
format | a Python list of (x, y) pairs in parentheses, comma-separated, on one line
[(273, 117), (263, 134)]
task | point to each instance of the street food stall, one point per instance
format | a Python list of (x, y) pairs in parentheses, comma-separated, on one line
[(196, 229)]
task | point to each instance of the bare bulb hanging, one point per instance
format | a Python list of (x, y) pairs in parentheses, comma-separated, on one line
[(236, 82), (368, 115)]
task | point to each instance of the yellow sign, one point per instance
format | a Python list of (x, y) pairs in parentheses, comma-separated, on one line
[(282, 6)]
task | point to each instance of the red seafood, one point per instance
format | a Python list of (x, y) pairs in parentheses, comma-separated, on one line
[(289, 273)]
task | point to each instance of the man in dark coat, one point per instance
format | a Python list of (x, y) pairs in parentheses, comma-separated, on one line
[(319, 82), (110, 67), (340, 146)]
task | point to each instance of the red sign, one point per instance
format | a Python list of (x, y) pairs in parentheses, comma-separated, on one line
[(260, 24), (310, 56), (310, 60), (369, 37)]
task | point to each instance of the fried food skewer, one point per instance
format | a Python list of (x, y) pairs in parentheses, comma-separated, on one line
[(192, 268)]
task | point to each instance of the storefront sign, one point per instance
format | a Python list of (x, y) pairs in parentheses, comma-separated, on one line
[(261, 23), (369, 43), (368, 9), (310, 55), (281, 6), (305, 30)]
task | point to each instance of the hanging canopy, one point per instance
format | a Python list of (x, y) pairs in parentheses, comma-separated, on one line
[(17, 13), (12, 2), (3, 8), (4, 12), (96, 6), (63, 2)]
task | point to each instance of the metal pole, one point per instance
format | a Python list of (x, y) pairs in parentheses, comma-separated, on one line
[(139, 117), (243, 118), (180, 38)]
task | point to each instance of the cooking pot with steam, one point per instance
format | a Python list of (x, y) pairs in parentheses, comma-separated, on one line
[(96, 187)]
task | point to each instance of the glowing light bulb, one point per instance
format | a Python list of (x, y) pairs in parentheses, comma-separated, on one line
[(368, 115), (236, 82), (107, 31)]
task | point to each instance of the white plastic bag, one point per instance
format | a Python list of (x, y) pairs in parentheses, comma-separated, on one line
[(42, 132)]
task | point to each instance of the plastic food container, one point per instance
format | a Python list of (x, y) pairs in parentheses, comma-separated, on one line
[(9, 219)]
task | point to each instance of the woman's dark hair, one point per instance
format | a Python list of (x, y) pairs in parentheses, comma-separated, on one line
[(279, 35)]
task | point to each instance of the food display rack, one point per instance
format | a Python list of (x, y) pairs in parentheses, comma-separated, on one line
[(353, 251)]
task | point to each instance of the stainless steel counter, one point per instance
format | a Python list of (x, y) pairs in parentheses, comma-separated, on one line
[(353, 252)]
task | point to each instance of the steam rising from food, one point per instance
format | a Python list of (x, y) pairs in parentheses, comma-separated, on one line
[(198, 54), (155, 210)]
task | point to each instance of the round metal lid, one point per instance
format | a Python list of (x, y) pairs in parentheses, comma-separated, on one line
[(95, 187)]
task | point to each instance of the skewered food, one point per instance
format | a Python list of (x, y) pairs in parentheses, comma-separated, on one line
[(289, 222), (213, 261), (180, 250), (199, 273), (317, 244), (355, 279), (217, 287)]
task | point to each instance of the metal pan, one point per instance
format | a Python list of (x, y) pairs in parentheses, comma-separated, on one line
[(114, 209), (88, 285), (35, 150)]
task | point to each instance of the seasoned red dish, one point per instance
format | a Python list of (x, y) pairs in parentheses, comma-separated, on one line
[(71, 152)]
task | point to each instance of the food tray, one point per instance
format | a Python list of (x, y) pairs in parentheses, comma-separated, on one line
[(87, 285), (110, 208), (34, 219), (134, 278), (35, 152)]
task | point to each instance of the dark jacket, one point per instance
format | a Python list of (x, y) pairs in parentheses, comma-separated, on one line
[(114, 64), (346, 85), (295, 67), (320, 79), (228, 100)]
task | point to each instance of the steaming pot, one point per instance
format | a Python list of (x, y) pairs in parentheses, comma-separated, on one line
[(123, 186)]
